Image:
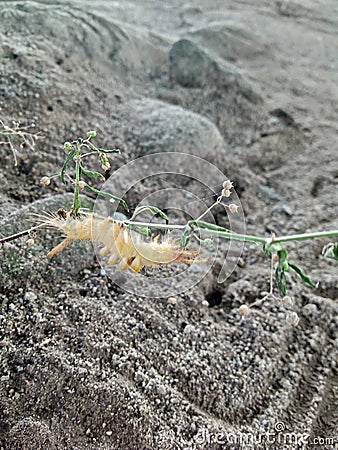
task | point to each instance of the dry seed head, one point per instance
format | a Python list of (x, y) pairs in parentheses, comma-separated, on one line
[(67, 146), (244, 310), (45, 181), (233, 208), (226, 193), (227, 185), (106, 166), (118, 242)]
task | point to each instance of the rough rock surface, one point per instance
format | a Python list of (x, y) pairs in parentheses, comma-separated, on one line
[(150, 126), (190, 66)]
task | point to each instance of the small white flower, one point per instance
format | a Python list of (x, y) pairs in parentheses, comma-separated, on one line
[(244, 310), (233, 208), (106, 166), (227, 185), (226, 193), (81, 185), (45, 181)]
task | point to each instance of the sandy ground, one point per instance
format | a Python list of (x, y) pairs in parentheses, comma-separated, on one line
[(91, 361)]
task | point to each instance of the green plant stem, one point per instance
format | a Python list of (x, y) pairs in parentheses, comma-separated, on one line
[(225, 234), (304, 236), (238, 236), (206, 231), (76, 201)]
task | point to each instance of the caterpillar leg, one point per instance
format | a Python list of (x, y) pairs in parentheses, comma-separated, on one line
[(56, 250)]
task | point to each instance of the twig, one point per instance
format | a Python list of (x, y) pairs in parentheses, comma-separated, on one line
[(26, 137), (13, 237)]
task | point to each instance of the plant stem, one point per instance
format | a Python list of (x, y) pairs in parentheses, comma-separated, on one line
[(238, 236), (18, 235), (304, 236), (76, 201), (225, 234), (217, 202)]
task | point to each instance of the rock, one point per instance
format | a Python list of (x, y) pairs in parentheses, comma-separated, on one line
[(30, 433), (192, 67), (155, 126), (229, 40), (269, 192), (88, 36)]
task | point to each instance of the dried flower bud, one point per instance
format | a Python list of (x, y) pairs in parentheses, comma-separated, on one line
[(275, 257), (287, 302), (91, 134), (105, 164), (81, 185), (292, 318), (227, 185), (233, 208), (244, 310), (45, 181), (67, 146), (30, 242), (226, 193)]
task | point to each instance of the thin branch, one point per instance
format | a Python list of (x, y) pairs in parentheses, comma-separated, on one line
[(26, 137), (13, 237)]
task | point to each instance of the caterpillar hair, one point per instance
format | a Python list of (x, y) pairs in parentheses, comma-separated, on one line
[(120, 244)]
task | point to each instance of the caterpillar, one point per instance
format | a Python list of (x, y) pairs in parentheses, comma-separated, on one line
[(120, 244)]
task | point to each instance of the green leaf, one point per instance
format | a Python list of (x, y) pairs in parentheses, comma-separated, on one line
[(107, 195), (207, 225), (152, 209), (65, 164), (280, 270), (331, 251), (91, 134), (104, 150), (185, 238), (271, 248), (140, 229), (304, 277), (76, 206), (92, 174), (207, 242)]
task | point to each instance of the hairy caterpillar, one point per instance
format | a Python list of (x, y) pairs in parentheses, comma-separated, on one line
[(120, 244)]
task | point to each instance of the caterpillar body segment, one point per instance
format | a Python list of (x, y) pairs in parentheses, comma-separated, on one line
[(120, 245)]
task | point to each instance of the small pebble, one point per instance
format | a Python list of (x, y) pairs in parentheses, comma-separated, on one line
[(292, 319), (30, 296), (172, 301)]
